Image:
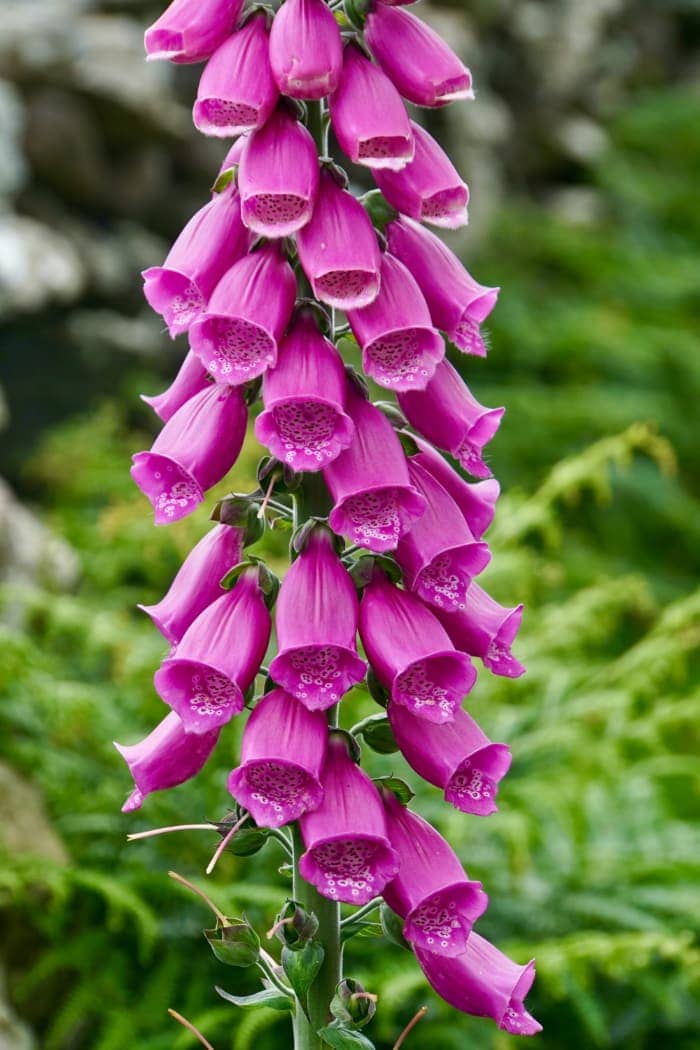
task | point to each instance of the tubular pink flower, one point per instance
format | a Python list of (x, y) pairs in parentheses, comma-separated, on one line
[(237, 91), (375, 503), (400, 347), (338, 248), (191, 30), (237, 337), (411, 653), (456, 756), (316, 619), (431, 890), (282, 755), (368, 116), (218, 658), (487, 630), (168, 756), (484, 982), (457, 303), (348, 856), (278, 176), (195, 449), (439, 556), (191, 378), (476, 500), (306, 50), (449, 416), (429, 189), (210, 243)]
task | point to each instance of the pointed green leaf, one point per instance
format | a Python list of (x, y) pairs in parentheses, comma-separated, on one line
[(268, 997), (301, 968)]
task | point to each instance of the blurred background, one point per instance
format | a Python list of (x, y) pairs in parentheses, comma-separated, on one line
[(583, 156)]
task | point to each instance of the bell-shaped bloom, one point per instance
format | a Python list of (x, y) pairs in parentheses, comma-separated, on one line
[(458, 304), (439, 557), (484, 982), (487, 630), (429, 189), (191, 30), (456, 756), (447, 414), (306, 50), (419, 63), (348, 856), (250, 308), (304, 423), (476, 500), (411, 653), (168, 756), (431, 891), (278, 176), (191, 378), (338, 248), (237, 91), (218, 658), (400, 347), (283, 752), (210, 243), (374, 501), (194, 450), (368, 115), (197, 583), (316, 620)]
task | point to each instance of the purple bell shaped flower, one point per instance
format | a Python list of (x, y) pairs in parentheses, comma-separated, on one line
[(487, 630), (476, 500), (191, 30), (449, 416), (368, 116), (316, 619), (411, 653), (218, 658), (304, 423), (484, 982), (338, 248), (456, 756), (283, 752), (237, 337), (237, 91), (168, 756), (348, 856), (431, 891), (400, 347), (194, 450), (306, 50), (191, 378)]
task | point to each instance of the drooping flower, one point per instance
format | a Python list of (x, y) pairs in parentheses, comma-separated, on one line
[(348, 856), (283, 752), (191, 30), (411, 653), (195, 449), (306, 50), (431, 891), (487, 630), (191, 378), (217, 658), (400, 347), (316, 619), (476, 500)]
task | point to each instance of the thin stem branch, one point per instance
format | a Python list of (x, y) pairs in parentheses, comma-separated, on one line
[(191, 1028), (166, 831), (200, 893), (283, 841), (361, 912), (224, 843), (268, 967), (409, 1027)]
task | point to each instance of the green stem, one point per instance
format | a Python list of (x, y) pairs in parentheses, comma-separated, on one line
[(316, 125), (362, 913)]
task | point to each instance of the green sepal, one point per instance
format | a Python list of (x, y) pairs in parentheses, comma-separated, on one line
[(296, 926), (267, 581), (379, 210), (225, 178), (398, 420), (339, 1037), (301, 968), (356, 12), (236, 943), (351, 1006), (303, 534), (242, 513), (362, 928), (392, 925), (268, 997), (363, 569), (378, 735), (379, 694), (403, 791), (351, 745), (248, 841)]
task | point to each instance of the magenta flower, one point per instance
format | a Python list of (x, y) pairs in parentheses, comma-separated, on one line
[(191, 378), (338, 248), (218, 658), (348, 856), (168, 756), (431, 890), (484, 982), (210, 243), (316, 621), (411, 653), (197, 584), (282, 755), (237, 337), (476, 500), (368, 116), (194, 450), (237, 91), (455, 756), (449, 416), (429, 189), (400, 347), (487, 630), (306, 50), (375, 503), (191, 30), (457, 303)]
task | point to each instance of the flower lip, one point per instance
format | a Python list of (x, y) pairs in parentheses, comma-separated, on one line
[(446, 579), (433, 686), (233, 349), (202, 695), (285, 213), (446, 208), (404, 358), (347, 289), (306, 432), (385, 151), (166, 44), (173, 491), (173, 294), (442, 921), (318, 675), (223, 118), (275, 791), (350, 868), (377, 516), (473, 786)]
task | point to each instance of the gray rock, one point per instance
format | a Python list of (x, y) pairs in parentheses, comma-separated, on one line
[(30, 554)]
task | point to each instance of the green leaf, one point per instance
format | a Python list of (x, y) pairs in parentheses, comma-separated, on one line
[(301, 968), (403, 791), (392, 926), (268, 997), (341, 1038), (378, 735), (236, 944)]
